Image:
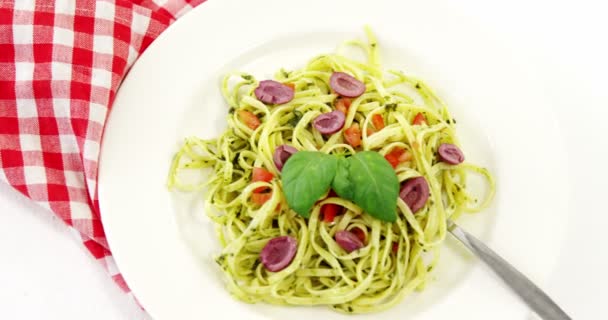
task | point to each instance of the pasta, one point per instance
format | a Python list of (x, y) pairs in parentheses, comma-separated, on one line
[(397, 257)]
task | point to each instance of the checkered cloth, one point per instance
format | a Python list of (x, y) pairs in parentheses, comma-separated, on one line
[(61, 63)]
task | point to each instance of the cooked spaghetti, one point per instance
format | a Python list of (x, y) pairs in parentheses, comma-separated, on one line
[(398, 116)]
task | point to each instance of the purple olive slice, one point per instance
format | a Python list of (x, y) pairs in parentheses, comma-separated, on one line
[(346, 85), (415, 192), (278, 253), (330, 122), (348, 241), (281, 154), (450, 154), (273, 92)]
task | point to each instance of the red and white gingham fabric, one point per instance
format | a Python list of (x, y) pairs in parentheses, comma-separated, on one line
[(61, 63)]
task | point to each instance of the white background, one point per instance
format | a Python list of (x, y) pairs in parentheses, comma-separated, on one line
[(46, 274)]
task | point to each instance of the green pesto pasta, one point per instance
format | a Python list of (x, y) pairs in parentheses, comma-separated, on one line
[(376, 276)]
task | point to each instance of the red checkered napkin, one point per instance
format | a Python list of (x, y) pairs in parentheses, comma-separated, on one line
[(61, 63)]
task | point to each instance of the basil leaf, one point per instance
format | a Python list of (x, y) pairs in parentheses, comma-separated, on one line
[(375, 185), (341, 183), (306, 177)]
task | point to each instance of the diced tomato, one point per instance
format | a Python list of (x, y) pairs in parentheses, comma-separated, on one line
[(249, 118), (343, 104), (396, 156), (419, 119), (359, 233), (353, 135), (378, 122), (394, 161), (330, 211), (261, 174), (260, 198), (291, 85), (370, 131), (397, 151), (395, 247), (405, 156)]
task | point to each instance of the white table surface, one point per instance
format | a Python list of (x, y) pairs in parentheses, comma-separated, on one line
[(45, 273)]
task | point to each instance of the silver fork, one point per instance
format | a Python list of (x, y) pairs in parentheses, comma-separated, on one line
[(532, 295)]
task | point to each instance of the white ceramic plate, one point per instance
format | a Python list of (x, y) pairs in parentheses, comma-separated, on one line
[(162, 242)]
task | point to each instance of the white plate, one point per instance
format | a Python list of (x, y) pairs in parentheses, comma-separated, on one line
[(163, 244)]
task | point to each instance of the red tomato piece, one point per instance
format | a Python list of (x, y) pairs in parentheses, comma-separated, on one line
[(330, 211), (394, 161), (378, 122), (260, 198), (396, 156), (261, 174), (249, 118), (353, 135), (419, 119), (343, 104), (359, 233)]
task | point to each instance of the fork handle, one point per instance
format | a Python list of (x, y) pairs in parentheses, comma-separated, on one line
[(532, 295)]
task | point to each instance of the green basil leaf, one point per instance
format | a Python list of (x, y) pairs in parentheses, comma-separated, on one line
[(375, 185), (341, 183), (306, 177)]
